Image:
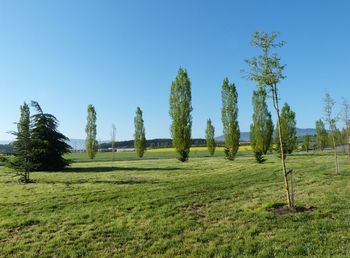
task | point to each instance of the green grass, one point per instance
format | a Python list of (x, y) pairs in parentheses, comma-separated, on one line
[(207, 207), (123, 156)]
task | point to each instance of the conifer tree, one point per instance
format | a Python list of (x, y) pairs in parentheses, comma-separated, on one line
[(180, 113), (22, 145), (209, 136), (91, 143), (229, 115), (48, 145), (140, 134), (261, 129)]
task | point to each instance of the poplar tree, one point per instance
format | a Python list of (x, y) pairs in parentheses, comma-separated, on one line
[(209, 136), (321, 135), (331, 121), (22, 145), (306, 142), (267, 71), (288, 131), (140, 134), (91, 143), (229, 115), (261, 129), (180, 113), (346, 119), (113, 139)]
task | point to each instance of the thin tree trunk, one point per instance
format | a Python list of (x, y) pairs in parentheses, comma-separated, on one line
[(335, 155), (348, 141), (286, 184)]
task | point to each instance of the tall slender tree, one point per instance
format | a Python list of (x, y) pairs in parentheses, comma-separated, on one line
[(321, 135), (229, 117), (346, 120), (210, 137), (91, 143), (140, 134), (306, 142), (22, 145), (261, 129), (266, 69), (288, 130), (331, 121), (180, 113), (113, 139), (48, 145)]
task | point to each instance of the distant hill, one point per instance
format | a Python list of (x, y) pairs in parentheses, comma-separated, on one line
[(245, 136)]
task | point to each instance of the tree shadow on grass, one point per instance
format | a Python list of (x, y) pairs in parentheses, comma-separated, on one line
[(134, 181), (113, 169)]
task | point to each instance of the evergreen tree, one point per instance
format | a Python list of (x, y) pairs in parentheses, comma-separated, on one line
[(261, 129), (288, 131), (91, 133), (209, 136), (306, 142), (180, 113), (22, 145), (266, 70), (321, 135), (229, 115), (48, 144), (139, 136)]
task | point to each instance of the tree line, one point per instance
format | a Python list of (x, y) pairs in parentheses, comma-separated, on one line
[(39, 146)]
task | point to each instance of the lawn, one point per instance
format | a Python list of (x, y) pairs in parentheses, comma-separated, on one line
[(207, 207)]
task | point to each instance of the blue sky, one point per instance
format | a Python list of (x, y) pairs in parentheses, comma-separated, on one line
[(118, 55)]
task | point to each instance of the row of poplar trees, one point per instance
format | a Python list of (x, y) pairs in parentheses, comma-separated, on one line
[(267, 71), (91, 143)]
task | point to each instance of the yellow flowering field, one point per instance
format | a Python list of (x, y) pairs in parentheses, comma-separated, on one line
[(241, 148)]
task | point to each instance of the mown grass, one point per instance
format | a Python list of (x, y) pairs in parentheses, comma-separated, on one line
[(161, 153), (207, 207)]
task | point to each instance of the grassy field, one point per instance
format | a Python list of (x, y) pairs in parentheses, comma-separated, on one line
[(207, 207), (154, 154)]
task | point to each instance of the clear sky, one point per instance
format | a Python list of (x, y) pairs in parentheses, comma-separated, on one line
[(118, 55)]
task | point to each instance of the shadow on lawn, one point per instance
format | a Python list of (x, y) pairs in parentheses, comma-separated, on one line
[(113, 169), (113, 182)]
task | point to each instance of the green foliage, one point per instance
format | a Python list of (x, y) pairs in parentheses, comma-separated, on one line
[(210, 137), (180, 113), (266, 69), (261, 129), (321, 135), (91, 133), (306, 142), (288, 130), (229, 115), (139, 135), (48, 144), (331, 121), (21, 161)]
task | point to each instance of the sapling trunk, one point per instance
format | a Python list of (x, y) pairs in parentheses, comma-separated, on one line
[(286, 184)]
